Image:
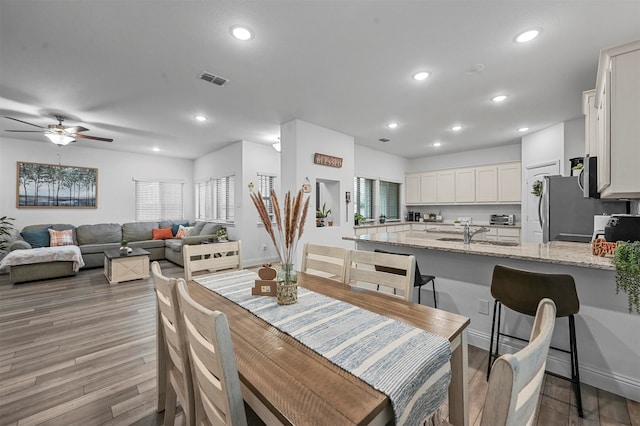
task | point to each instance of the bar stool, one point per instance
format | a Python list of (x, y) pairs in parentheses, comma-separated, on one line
[(419, 281), (521, 291)]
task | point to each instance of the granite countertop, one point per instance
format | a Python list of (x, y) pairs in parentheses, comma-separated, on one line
[(559, 252), (432, 224)]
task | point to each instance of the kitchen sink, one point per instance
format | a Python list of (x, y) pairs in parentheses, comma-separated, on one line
[(482, 242)]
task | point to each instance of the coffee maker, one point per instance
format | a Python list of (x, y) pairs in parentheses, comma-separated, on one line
[(410, 216)]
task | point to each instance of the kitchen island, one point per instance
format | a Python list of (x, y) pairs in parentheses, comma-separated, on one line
[(607, 334)]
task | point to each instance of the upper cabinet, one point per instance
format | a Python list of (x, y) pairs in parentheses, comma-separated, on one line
[(590, 123), (490, 184), (617, 102)]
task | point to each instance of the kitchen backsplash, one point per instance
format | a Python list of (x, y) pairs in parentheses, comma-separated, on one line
[(479, 214)]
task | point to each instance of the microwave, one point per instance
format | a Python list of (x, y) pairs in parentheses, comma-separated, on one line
[(588, 178)]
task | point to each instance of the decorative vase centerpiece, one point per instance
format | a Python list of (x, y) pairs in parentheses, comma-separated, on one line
[(285, 237), (124, 248)]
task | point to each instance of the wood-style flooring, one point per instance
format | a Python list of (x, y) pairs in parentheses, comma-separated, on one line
[(78, 351)]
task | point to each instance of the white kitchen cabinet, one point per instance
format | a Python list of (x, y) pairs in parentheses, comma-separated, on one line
[(465, 181), (511, 235), (618, 102), (487, 184), (590, 123), (412, 188), (428, 188), (445, 186), (509, 186)]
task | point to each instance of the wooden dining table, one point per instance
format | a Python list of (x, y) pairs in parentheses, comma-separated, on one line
[(287, 383)]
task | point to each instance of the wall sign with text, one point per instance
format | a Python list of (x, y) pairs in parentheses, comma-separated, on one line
[(327, 160)]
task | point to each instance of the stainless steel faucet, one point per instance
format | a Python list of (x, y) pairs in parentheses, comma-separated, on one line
[(468, 235)]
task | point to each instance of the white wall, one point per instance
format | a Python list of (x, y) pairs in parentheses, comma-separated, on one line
[(573, 141), (300, 141), (544, 146), (116, 191)]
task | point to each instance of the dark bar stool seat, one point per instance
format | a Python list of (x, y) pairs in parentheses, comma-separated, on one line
[(419, 280), (521, 291)]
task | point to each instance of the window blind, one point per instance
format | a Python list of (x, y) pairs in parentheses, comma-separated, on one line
[(364, 202), (157, 200), (265, 185), (223, 199), (390, 199), (203, 200)]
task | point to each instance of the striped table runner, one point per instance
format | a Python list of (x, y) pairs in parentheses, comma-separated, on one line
[(409, 365)]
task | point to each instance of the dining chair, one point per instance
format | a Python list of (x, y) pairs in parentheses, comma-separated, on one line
[(362, 271), (521, 291), (215, 376), (211, 257), (179, 385), (326, 261), (419, 280), (516, 379)]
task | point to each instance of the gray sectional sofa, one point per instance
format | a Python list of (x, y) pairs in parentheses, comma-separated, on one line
[(93, 240)]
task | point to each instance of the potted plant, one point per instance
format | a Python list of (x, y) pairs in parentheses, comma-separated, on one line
[(221, 234), (322, 214), (5, 232), (536, 189), (124, 247), (382, 218), (358, 219), (627, 262)]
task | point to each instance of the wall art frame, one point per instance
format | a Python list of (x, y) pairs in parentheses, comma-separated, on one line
[(40, 185)]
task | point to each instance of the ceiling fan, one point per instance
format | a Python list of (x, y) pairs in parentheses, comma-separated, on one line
[(59, 134)]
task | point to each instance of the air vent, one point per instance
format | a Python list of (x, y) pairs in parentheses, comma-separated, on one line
[(384, 140), (213, 79)]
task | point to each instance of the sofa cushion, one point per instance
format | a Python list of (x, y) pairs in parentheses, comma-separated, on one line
[(60, 238), (197, 228), (148, 244), (99, 233), (210, 229), (36, 239), (175, 226), (162, 233), (55, 227), (97, 247), (138, 231), (175, 245)]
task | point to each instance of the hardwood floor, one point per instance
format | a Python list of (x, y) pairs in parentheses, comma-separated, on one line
[(78, 351)]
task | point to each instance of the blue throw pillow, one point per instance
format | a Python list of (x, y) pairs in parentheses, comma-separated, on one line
[(39, 238), (175, 227)]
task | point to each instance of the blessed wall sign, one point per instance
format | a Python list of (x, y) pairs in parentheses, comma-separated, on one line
[(327, 160)]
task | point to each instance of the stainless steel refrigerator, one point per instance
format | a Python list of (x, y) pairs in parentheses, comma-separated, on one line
[(564, 213)]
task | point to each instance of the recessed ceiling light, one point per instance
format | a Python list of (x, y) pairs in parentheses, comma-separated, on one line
[(392, 125), (155, 149), (241, 33), (201, 117), (528, 35), (523, 129), (456, 127), (422, 75), (437, 144), (499, 98)]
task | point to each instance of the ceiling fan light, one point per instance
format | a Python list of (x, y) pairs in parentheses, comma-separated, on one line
[(59, 139)]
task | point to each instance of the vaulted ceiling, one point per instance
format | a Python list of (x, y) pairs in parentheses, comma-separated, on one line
[(130, 70)]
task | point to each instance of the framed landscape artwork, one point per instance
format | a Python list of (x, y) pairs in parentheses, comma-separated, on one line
[(55, 186)]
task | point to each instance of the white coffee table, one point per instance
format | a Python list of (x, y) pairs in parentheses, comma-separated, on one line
[(119, 268)]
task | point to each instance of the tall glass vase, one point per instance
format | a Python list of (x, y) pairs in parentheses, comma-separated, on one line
[(287, 285)]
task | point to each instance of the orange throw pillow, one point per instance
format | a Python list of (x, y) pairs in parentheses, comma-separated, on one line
[(162, 233)]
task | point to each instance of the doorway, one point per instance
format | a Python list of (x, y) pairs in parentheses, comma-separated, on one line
[(532, 232)]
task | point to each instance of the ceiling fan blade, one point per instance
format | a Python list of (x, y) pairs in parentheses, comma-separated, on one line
[(30, 124), (80, 136), (75, 129), (24, 131)]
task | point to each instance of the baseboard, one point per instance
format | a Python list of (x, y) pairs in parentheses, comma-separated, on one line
[(259, 261), (559, 363)]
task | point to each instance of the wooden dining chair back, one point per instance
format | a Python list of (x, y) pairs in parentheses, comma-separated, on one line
[(215, 376), (177, 375), (211, 257), (326, 261), (515, 381), (362, 271)]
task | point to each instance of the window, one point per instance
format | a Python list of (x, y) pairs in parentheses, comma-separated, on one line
[(364, 199), (265, 185), (223, 199), (390, 199), (157, 200), (203, 200)]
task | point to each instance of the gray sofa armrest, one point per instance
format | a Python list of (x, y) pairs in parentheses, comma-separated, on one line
[(19, 245), (196, 239)]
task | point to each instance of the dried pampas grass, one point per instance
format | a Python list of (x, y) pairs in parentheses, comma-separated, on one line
[(289, 227)]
